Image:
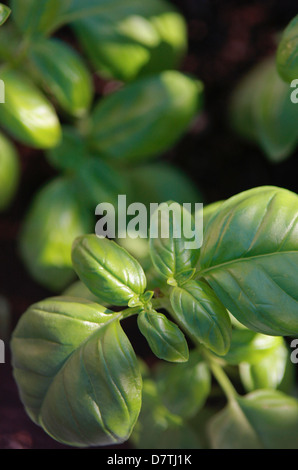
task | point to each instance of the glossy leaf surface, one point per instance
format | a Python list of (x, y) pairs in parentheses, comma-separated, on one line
[(108, 270), (250, 259), (184, 388), (137, 122), (125, 43), (164, 337), (262, 111), (9, 171), (38, 17), (54, 220), (77, 372), (4, 13), (168, 242), (67, 79), (287, 53), (27, 114), (263, 419), (199, 312)]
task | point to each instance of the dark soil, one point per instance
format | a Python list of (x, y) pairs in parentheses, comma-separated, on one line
[(225, 39)]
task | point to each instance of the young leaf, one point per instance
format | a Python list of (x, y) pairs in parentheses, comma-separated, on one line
[(4, 13), (168, 243), (184, 388), (132, 39), (162, 103), (9, 171), (76, 371), (27, 114), (274, 370), (157, 428), (199, 312), (263, 419), (251, 347), (108, 270), (287, 52), (250, 258), (73, 91), (164, 337), (262, 110), (54, 220)]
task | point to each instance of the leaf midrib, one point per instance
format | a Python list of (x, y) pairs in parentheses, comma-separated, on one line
[(204, 272)]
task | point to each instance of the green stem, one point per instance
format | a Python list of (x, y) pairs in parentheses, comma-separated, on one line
[(221, 377)]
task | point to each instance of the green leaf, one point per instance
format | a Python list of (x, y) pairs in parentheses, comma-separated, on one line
[(199, 312), (251, 347), (274, 370), (263, 419), (161, 103), (164, 337), (263, 112), (99, 182), (26, 114), (4, 13), (35, 17), (157, 428), (76, 371), (9, 171), (169, 244), (249, 257), (54, 220), (287, 52), (67, 79), (108, 270), (70, 154), (125, 42), (184, 388)]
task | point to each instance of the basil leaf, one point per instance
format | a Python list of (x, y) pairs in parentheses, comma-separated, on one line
[(274, 370), (160, 181), (249, 257), (262, 111), (73, 91), (76, 371), (108, 270), (162, 103), (199, 312), (251, 347), (168, 243), (99, 182), (252, 422), (126, 42), (35, 17), (9, 172), (185, 387), (4, 13), (54, 220), (70, 154), (164, 337), (287, 52), (157, 428), (27, 114)]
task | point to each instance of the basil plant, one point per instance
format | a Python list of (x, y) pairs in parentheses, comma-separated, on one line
[(264, 104), (94, 138), (225, 309)]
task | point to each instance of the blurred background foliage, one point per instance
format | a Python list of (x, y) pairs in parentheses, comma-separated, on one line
[(153, 99)]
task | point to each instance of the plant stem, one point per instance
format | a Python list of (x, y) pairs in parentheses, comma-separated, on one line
[(221, 377)]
